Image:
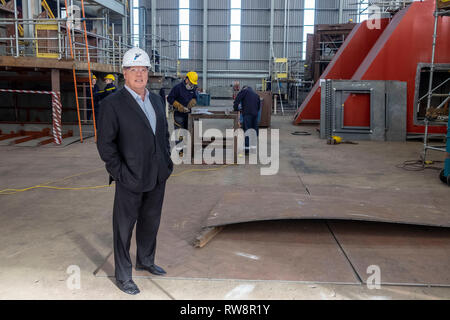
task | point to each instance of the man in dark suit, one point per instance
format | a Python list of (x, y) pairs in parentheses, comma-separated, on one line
[(133, 141)]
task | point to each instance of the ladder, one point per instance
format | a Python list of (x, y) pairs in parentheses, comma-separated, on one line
[(279, 94), (86, 117), (76, 86), (281, 72)]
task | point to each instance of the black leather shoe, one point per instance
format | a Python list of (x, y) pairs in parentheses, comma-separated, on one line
[(154, 269), (128, 286)]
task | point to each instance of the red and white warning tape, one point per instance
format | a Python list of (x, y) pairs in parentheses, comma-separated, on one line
[(56, 110)]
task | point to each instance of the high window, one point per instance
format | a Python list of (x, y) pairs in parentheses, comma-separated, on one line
[(135, 23), (363, 8), (308, 22), (184, 29), (235, 29)]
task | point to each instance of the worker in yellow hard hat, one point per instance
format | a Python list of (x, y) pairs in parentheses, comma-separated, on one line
[(110, 77), (102, 94), (110, 86), (183, 97), (193, 77)]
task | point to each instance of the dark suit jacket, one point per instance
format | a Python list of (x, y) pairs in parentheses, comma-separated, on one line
[(133, 154)]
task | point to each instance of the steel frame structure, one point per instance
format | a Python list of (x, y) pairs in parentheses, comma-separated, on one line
[(431, 92)]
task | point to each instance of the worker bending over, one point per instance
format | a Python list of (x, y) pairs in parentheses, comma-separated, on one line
[(183, 97), (251, 104)]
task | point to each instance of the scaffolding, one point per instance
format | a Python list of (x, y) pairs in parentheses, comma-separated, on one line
[(366, 7), (68, 42), (46, 36), (323, 45), (443, 105), (392, 6), (433, 117)]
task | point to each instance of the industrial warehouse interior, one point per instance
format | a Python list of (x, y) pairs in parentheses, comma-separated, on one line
[(224, 150)]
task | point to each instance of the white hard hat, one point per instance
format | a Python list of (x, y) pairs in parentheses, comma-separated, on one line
[(136, 57)]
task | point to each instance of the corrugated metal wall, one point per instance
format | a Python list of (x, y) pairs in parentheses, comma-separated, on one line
[(255, 31), (327, 11)]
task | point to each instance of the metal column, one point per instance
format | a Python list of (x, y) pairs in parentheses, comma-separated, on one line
[(205, 45), (16, 27), (28, 13), (285, 31), (433, 54), (124, 31), (271, 54), (154, 27), (447, 160)]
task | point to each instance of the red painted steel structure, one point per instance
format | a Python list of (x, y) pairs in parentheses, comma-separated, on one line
[(344, 64), (405, 42)]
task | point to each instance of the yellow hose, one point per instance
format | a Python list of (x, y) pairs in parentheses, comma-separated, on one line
[(46, 186)]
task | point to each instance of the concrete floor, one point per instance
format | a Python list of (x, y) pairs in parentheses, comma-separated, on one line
[(44, 231)]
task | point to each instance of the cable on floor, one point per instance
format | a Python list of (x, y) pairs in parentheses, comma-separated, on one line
[(46, 186), (419, 165)]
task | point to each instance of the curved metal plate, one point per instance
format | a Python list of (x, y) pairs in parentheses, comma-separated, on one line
[(368, 205)]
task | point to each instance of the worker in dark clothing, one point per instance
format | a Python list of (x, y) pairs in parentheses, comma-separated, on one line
[(162, 94), (183, 97), (95, 93), (109, 88), (102, 94), (251, 104)]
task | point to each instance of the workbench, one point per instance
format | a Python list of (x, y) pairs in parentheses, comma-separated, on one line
[(215, 113)]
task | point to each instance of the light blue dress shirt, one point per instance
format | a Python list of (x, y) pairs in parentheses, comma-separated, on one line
[(146, 106)]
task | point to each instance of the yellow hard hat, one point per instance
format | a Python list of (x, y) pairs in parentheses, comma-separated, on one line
[(110, 76), (193, 77), (94, 77)]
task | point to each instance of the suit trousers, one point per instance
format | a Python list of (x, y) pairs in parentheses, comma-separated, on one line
[(144, 210)]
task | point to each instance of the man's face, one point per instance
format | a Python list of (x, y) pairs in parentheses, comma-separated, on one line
[(108, 81), (189, 85), (94, 81), (136, 77)]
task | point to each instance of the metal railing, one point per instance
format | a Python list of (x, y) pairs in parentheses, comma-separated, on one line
[(48, 38)]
